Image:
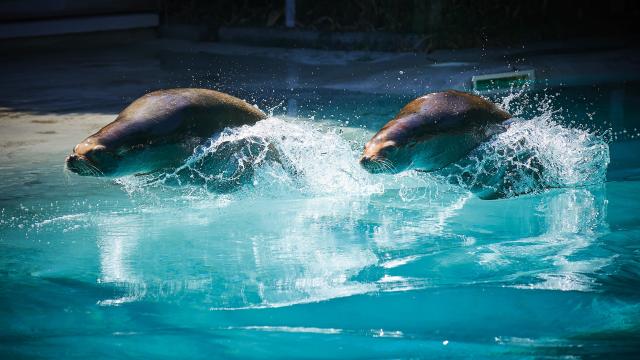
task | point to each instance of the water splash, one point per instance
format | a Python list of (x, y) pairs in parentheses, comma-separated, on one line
[(285, 157), (274, 158), (532, 156)]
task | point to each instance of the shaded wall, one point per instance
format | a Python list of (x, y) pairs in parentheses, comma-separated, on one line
[(21, 10)]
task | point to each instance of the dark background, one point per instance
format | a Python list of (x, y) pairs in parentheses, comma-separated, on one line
[(451, 23), (445, 24)]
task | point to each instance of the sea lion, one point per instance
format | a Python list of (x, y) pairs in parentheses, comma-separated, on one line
[(159, 130), (432, 132)]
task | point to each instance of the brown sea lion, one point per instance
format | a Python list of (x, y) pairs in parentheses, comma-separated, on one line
[(432, 132), (159, 130)]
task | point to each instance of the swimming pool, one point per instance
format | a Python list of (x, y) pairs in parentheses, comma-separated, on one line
[(323, 260)]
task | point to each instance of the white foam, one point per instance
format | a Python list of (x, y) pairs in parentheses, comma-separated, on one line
[(532, 156)]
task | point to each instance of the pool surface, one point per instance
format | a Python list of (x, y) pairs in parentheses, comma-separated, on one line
[(312, 257)]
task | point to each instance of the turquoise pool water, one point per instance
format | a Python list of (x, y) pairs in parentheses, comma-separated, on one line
[(318, 259)]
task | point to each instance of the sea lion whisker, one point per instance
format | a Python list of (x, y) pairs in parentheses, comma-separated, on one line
[(67, 173), (387, 165), (90, 170), (93, 167)]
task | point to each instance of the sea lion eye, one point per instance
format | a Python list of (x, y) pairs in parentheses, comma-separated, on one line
[(98, 148), (388, 147), (388, 144)]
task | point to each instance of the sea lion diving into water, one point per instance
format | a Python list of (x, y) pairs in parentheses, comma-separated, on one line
[(159, 130), (432, 132), (435, 131)]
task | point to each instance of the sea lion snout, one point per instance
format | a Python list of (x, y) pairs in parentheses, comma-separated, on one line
[(379, 156), (374, 165), (366, 161), (72, 159), (78, 164), (369, 156), (90, 158), (370, 164)]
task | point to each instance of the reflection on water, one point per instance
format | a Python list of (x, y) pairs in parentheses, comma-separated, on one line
[(572, 221), (322, 248), (117, 237)]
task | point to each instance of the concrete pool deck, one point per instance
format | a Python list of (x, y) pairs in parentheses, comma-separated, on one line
[(52, 97)]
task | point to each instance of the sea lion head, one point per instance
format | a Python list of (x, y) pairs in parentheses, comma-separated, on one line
[(92, 158), (386, 152), (390, 149)]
